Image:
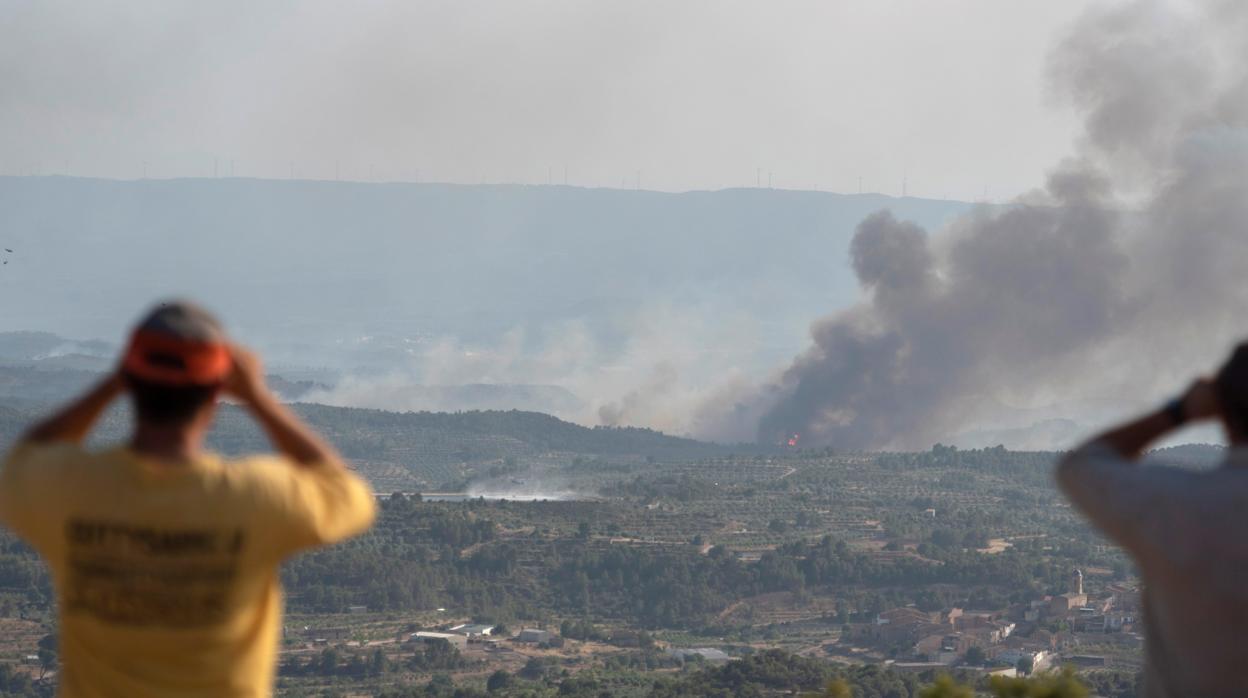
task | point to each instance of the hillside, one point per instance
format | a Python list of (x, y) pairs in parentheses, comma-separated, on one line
[(428, 450)]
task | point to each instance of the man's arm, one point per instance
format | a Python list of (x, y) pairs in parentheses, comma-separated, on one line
[(319, 500), (289, 434), (30, 482), (1099, 478), (1129, 440), (73, 422)]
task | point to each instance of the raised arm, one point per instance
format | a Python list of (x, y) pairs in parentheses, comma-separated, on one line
[(1129, 440), (1099, 477), (289, 434), (319, 501), (72, 423)]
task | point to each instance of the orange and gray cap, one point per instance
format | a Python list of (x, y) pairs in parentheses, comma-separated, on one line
[(178, 343)]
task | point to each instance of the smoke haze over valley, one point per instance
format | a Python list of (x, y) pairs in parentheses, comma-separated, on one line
[(603, 306), (912, 320)]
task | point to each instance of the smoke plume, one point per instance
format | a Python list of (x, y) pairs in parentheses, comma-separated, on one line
[(1122, 276), (672, 361)]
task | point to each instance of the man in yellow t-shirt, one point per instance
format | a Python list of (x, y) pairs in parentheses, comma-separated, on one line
[(164, 556)]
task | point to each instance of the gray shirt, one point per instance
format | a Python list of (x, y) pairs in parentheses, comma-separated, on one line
[(1188, 534)]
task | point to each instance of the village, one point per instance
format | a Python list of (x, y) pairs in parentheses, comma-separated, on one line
[(1050, 632), (1075, 630)]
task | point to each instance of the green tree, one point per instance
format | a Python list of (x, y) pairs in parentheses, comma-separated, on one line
[(47, 660), (533, 669), (498, 681), (440, 685), (836, 688), (356, 666), (377, 663), (328, 663), (47, 654), (1063, 685), (946, 687), (1025, 665)]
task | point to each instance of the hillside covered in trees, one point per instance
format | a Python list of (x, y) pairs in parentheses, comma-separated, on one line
[(424, 451)]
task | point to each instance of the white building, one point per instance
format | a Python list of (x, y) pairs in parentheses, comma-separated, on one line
[(473, 630), (534, 636), (456, 641)]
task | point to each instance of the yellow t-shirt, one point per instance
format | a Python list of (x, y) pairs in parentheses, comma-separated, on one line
[(167, 575)]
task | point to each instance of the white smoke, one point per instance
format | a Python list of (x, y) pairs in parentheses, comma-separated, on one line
[(667, 361)]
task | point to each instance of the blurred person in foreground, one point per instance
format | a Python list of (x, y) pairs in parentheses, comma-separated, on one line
[(1187, 532), (165, 556)]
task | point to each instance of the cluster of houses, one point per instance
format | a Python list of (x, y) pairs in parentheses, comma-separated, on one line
[(460, 635), (1011, 637)]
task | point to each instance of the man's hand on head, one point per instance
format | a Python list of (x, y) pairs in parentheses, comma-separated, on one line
[(246, 379), (1199, 402), (284, 428)]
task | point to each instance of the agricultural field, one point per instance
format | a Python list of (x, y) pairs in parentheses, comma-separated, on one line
[(633, 548)]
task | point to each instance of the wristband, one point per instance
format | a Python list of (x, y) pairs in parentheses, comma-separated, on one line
[(1174, 410)]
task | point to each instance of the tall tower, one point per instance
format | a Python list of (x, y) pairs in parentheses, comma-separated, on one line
[(1076, 582)]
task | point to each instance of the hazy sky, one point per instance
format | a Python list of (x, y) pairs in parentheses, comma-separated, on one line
[(692, 95)]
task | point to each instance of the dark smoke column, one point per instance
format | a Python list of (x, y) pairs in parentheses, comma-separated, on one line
[(1011, 295), (831, 392), (1058, 290)]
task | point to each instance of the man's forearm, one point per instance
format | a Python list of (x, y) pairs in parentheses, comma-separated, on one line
[(73, 422), (1200, 402), (1129, 440), (1086, 475), (288, 433)]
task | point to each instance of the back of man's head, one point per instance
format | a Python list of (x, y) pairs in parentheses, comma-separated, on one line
[(1231, 385), (176, 362)]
